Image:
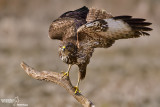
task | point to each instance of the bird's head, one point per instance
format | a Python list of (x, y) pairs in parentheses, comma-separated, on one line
[(68, 48)]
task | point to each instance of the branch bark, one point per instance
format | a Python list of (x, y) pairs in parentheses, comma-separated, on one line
[(59, 79)]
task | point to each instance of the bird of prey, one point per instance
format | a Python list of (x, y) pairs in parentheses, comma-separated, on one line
[(82, 30)]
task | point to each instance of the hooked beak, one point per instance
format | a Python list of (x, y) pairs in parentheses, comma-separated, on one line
[(63, 49)]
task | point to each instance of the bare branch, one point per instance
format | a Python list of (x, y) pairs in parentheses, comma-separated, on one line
[(57, 78)]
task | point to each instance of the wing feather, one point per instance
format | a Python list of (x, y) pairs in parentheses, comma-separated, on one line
[(119, 27), (79, 14), (95, 14), (62, 28), (66, 25)]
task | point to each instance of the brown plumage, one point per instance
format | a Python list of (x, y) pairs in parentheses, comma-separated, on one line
[(84, 29), (95, 14)]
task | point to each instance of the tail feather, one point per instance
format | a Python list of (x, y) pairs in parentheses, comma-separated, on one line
[(82, 75), (82, 71)]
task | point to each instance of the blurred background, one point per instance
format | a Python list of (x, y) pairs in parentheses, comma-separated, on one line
[(125, 75)]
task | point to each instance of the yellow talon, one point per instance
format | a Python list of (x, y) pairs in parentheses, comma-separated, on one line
[(65, 73), (77, 90)]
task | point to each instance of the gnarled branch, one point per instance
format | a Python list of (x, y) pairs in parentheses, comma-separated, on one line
[(59, 79)]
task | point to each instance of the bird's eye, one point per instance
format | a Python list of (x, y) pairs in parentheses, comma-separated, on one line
[(63, 47)]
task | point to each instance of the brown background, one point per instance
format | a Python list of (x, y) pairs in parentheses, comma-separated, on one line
[(125, 75)]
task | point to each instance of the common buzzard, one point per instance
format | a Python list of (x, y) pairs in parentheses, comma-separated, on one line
[(82, 30)]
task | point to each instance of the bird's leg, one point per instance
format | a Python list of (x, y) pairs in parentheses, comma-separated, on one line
[(67, 73), (77, 86)]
